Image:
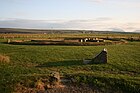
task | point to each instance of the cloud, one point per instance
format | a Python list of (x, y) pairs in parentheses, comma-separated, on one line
[(103, 19), (119, 3), (95, 0), (102, 23), (124, 3)]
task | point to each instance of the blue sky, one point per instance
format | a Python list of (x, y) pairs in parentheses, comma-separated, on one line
[(71, 14)]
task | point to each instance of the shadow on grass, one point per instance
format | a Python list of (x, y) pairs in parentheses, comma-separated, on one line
[(20, 43), (38, 44), (62, 63), (56, 43)]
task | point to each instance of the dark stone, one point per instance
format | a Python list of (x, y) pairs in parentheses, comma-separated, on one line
[(100, 58)]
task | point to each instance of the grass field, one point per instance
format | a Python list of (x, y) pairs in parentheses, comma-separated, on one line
[(120, 74)]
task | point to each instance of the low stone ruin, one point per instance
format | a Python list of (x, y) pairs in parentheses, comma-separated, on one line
[(55, 81), (91, 40), (100, 58), (52, 82)]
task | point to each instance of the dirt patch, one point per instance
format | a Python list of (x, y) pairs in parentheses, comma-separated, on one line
[(69, 88), (4, 59), (51, 83)]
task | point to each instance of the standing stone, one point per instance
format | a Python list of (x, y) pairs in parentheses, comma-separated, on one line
[(100, 58), (8, 41)]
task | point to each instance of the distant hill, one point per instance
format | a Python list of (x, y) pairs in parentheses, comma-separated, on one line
[(116, 30), (49, 31), (137, 31)]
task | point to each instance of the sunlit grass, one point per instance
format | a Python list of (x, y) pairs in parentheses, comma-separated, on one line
[(123, 67)]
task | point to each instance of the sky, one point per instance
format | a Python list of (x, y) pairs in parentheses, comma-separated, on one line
[(110, 15)]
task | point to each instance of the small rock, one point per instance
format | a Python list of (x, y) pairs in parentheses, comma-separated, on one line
[(40, 85)]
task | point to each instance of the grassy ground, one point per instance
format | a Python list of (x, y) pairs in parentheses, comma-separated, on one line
[(121, 73)]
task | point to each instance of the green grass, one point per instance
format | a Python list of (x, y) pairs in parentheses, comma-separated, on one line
[(122, 72)]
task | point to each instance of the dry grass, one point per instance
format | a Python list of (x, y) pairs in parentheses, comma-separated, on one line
[(4, 59)]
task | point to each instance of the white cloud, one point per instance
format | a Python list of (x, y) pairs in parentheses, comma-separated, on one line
[(95, 0), (102, 23)]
